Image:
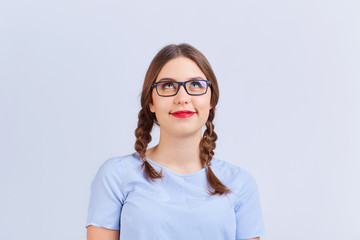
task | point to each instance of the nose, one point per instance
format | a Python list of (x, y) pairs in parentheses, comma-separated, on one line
[(182, 96)]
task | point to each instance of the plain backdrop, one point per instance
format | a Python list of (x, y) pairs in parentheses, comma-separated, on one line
[(70, 77)]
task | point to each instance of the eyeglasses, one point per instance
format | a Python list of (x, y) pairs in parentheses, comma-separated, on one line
[(171, 88)]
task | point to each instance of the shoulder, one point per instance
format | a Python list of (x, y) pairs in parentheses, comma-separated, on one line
[(234, 177), (229, 170), (120, 165), (130, 159)]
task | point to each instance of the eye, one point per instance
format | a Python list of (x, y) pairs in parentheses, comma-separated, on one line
[(196, 84), (168, 85)]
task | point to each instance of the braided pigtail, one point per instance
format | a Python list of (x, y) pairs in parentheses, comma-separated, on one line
[(143, 138), (147, 118), (207, 146)]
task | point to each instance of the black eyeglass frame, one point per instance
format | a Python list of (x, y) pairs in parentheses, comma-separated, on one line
[(208, 83)]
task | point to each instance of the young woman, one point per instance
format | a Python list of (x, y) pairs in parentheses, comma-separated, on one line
[(176, 190)]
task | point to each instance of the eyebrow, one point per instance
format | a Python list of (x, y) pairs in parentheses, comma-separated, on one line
[(173, 80)]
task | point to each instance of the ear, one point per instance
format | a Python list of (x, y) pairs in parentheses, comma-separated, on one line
[(151, 107)]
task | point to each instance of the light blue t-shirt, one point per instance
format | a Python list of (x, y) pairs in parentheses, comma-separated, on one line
[(176, 207)]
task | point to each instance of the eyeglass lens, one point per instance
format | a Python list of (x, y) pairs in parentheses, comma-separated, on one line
[(196, 87)]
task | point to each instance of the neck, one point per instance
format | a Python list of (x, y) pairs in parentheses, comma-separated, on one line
[(180, 154)]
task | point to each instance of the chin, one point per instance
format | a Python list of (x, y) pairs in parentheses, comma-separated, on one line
[(186, 132)]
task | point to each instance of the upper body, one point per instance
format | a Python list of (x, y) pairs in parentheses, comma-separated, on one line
[(176, 207), (177, 189)]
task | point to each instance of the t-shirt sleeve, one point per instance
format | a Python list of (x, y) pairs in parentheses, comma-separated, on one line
[(249, 220), (106, 198)]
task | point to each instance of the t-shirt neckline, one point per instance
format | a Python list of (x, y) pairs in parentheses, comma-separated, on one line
[(172, 172)]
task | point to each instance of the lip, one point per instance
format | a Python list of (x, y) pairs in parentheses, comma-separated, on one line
[(183, 114)]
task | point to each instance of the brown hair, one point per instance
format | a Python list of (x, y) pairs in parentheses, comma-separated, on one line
[(147, 118)]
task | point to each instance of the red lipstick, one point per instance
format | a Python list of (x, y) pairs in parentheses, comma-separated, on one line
[(183, 114)]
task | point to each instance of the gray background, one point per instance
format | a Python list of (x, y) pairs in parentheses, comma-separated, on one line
[(289, 111)]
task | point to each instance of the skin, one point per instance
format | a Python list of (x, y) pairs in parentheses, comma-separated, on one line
[(100, 233), (178, 147)]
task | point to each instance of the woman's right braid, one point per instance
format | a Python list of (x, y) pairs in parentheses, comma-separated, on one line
[(142, 133), (143, 138)]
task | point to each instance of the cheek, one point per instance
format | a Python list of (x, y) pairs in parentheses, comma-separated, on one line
[(204, 103), (203, 106), (156, 103), (161, 106), (208, 106)]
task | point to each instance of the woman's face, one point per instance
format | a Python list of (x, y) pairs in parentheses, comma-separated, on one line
[(181, 69)]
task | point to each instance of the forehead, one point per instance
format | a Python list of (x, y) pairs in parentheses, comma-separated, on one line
[(180, 69)]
